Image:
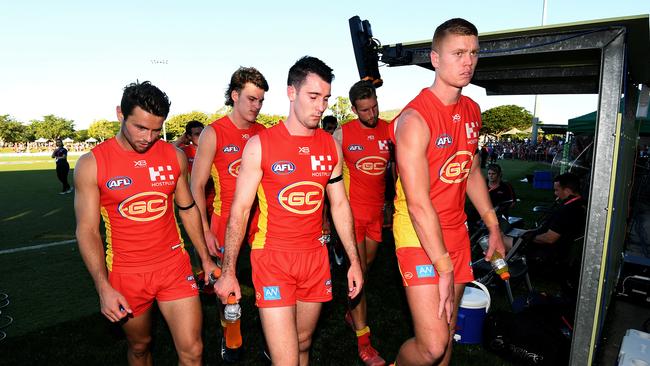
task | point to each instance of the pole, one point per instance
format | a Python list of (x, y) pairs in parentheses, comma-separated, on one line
[(535, 121)]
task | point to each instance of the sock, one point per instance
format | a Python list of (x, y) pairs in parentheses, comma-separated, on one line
[(363, 337)]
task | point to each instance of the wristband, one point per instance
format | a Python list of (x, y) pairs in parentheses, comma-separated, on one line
[(334, 180), (490, 218), (443, 264)]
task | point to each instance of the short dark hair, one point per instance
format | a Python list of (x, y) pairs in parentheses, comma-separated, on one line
[(568, 180), (240, 77), (329, 119), (191, 125), (457, 26), (495, 167), (146, 96), (306, 65), (362, 89)]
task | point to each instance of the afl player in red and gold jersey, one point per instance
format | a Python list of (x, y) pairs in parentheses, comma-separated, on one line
[(132, 181), (366, 150), (436, 137), (289, 167)]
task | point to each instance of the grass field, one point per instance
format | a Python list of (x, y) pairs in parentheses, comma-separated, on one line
[(55, 306)]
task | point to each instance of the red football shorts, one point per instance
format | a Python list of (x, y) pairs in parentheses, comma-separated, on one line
[(416, 268), (218, 225), (281, 278), (368, 222), (166, 284)]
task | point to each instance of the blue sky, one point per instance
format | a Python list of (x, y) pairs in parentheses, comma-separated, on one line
[(72, 58)]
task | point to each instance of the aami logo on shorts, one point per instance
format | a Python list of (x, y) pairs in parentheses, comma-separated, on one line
[(233, 168), (328, 286), (424, 271), (117, 183), (283, 167), (372, 165), (355, 147), (301, 198), (443, 140), (145, 206), (272, 293), (456, 168), (230, 149)]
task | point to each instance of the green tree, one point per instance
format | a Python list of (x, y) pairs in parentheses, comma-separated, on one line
[(81, 135), (342, 110), (52, 127), (269, 120), (103, 129), (11, 130), (505, 117), (175, 125)]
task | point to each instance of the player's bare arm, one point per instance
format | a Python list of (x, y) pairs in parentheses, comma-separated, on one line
[(343, 221), (190, 215), (201, 169), (87, 211), (478, 193), (412, 138), (250, 175), (338, 135)]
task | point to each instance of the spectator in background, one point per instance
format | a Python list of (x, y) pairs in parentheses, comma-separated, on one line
[(499, 190), (60, 155), (330, 124)]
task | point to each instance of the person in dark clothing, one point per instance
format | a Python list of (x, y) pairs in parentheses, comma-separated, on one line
[(484, 156), (501, 193), (60, 155)]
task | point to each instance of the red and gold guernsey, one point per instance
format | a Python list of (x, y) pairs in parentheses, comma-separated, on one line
[(230, 142), (190, 153), (366, 153), (136, 198), (295, 173), (454, 139)]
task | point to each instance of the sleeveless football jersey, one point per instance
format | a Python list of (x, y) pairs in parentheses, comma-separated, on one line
[(230, 142), (136, 198), (190, 153), (454, 139), (290, 195), (366, 153)]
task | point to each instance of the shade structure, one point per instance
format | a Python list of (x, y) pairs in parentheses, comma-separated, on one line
[(67, 139), (91, 139), (41, 140)]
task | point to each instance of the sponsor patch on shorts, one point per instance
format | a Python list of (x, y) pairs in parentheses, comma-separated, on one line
[(425, 271), (272, 293)]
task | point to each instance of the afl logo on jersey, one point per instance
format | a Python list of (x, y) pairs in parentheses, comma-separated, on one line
[(230, 149), (443, 140), (233, 168), (372, 165), (302, 198), (283, 167), (355, 147), (457, 167), (145, 206), (117, 183)]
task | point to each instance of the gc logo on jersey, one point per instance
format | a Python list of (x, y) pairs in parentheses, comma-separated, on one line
[(283, 167), (371, 165), (230, 149), (355, 147), (117, 183), (456, 168), (443, 140), (145, 206), (302, 198), (233, 168)]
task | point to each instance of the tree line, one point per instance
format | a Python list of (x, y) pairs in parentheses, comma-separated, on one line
[(495, 121)]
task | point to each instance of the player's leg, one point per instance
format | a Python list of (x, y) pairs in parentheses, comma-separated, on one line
[(279, 325), (459, 288), (307, 314), (138, 337), (431, 333), (184, 318)]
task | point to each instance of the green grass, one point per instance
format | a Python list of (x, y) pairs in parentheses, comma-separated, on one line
[(56, 312)]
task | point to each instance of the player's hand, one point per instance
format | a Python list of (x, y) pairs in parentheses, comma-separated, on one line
[(495, 242), (208, 266), (226, 285), (212, 243), (355, 279), (113, 305), (446, 293)]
